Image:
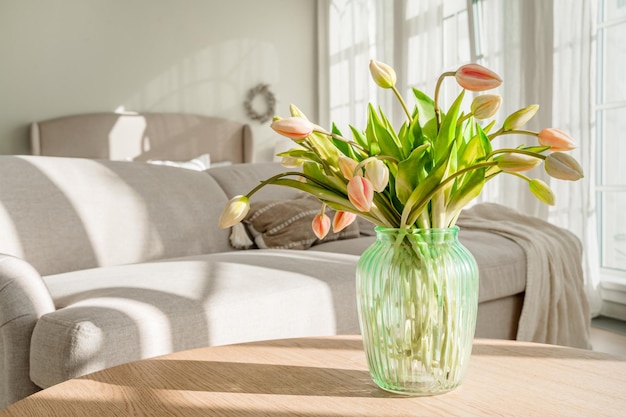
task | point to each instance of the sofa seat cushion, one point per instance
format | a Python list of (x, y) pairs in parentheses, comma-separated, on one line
[(108, 316), (501, 261)]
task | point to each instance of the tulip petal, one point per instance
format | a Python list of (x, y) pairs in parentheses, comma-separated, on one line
[(234, 212), (382, 74), (342, 220), (347, 166), (321, 225), (541, 190), (556, 139), (563, 166), (377, 172), (293, 127), (361, 193), (474, 77)]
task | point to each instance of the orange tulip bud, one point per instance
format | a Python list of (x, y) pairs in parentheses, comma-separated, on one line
[(556, 139), (347, 166), (377, 172), (474, 77), (515, 162), (520, 117), (321, 225), (563, 166), (361, 193), (342, 220), (235, 211), (541, 190), (383, 74), (293, 127), (486, 105)]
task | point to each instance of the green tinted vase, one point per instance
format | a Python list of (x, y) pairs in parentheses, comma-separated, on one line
[(417, 294)]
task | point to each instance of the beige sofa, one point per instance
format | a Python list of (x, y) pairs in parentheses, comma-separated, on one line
[(104, 262)]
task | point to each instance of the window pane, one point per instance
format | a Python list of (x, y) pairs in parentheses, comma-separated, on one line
[(614, 9), (614, 230), (615, 63), (614, 146)]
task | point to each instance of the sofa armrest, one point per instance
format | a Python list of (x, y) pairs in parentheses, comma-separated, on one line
[(23, 299)]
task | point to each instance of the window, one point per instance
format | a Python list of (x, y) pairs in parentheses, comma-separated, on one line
[(611, 137)]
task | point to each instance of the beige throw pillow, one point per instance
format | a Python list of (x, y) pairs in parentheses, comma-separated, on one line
[(285, 224)]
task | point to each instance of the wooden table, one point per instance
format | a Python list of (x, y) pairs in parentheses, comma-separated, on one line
[(328, 377)]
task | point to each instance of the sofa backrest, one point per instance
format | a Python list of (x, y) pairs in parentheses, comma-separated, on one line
[(240, 179), (64, 214)]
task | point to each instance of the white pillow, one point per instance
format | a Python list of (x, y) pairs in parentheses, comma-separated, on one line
[(200, 163)]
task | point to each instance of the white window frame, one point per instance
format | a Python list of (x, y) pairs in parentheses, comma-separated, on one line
[(612, 281)]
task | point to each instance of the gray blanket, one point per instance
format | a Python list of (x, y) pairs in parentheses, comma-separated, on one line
[(555, 309)]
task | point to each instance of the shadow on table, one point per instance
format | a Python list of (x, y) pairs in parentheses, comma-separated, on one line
[(246, 378)]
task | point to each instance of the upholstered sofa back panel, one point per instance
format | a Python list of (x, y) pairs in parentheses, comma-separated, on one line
[(241, 178), (65, 214)]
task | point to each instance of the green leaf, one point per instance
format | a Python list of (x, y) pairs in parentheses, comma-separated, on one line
[(337, 183), (472, 187), (425, 106), (536, 149), (423, 192), (386, 141), (447, 131), (359, 137), (326, 150), (343, 147), (409, 173), (301, 154)]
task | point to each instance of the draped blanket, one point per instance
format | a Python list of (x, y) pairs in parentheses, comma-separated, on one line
[(555, 309)]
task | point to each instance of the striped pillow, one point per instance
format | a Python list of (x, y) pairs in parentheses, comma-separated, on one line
[(285, 224)]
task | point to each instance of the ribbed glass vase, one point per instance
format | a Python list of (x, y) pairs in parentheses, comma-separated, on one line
[(417, 294)]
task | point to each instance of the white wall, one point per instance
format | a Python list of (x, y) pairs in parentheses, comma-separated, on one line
[(60, 57)]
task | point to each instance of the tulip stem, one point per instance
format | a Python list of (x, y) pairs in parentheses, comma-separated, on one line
[(401, 100), (436, 99), (501, 131), (519, 151), (440, 186)]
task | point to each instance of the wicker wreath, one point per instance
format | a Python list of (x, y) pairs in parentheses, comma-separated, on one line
[(263, 91)]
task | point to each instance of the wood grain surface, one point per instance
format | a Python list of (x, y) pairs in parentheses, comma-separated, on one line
[(329, 377)]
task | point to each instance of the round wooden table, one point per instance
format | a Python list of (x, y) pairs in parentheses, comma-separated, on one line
[(329, 377)]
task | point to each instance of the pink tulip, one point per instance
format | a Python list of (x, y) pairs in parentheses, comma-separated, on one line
[(347, 166), (293, 127), (361, 193), (474, 77), (556, 139), (321, 225), (342, 220)]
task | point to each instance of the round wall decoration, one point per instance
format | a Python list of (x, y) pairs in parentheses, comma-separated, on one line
[(260, 93)]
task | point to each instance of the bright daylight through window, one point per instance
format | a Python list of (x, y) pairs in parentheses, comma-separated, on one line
[(611, 125)]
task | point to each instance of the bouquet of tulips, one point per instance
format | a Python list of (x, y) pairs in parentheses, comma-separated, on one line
[(423, 174)]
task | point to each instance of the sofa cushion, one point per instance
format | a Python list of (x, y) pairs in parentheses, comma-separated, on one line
[(286, 224), (105, 212), (239, 179), (113, 315)]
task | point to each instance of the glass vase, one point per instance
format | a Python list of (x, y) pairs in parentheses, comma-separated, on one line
[(417, 295)]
